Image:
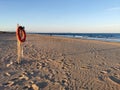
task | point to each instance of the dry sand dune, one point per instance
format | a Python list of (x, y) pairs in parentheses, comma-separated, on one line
[(55, 63)]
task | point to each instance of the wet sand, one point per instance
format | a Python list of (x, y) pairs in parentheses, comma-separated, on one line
[(56, 63)]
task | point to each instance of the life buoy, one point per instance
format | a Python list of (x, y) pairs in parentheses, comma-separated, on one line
[(21, 35)]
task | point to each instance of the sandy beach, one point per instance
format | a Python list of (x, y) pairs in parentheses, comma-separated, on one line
[(57, 63)]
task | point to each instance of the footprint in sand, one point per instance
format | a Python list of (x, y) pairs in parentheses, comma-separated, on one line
[(7, 74), (9, 83), (86, 67), (104, 75), (106, 71), (9, 64), (116, 68)]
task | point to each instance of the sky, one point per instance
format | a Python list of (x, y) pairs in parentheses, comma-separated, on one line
[(73, 16)]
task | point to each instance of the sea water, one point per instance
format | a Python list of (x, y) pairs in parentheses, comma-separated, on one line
[(109, 37)]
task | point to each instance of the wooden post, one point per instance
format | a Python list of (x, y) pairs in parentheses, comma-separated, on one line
[(19, 51)]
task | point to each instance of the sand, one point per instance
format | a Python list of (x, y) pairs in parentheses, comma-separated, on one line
[(56, 63)]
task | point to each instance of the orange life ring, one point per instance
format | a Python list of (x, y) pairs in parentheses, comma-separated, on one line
[(21, 35)]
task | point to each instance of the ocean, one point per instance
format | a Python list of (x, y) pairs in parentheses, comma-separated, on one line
[(109, 37)]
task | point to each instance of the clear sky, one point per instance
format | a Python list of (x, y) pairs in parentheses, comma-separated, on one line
[(61, 15)]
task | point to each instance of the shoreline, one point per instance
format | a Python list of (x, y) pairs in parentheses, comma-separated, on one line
[(83, 39)]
